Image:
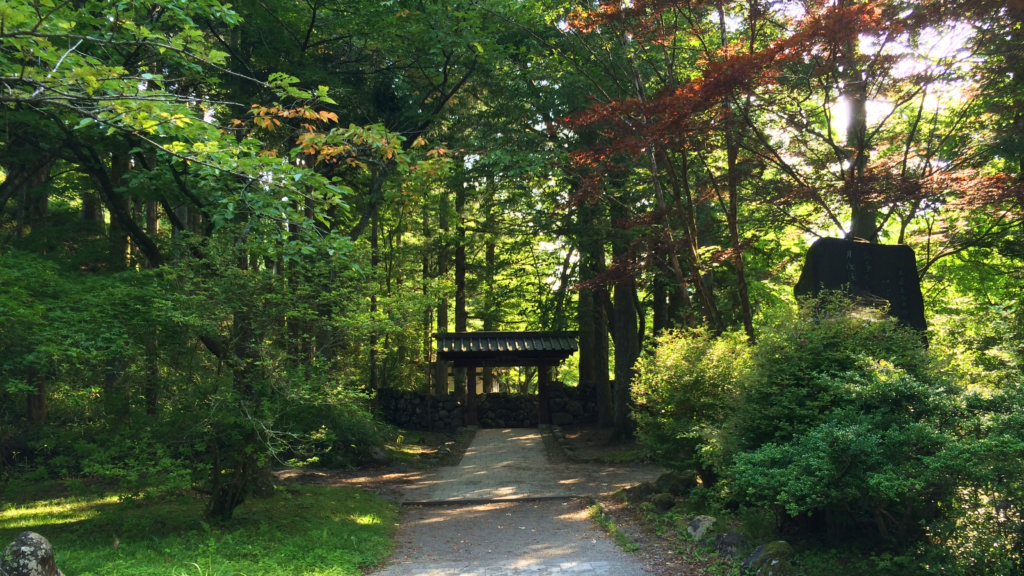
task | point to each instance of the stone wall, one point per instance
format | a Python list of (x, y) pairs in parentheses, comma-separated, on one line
[(571, 405), (417, 411), (501, 410)]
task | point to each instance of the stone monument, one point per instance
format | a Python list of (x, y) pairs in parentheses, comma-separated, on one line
[(871, 273)]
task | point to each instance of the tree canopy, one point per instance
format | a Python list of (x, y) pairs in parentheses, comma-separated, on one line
[(225, 227)]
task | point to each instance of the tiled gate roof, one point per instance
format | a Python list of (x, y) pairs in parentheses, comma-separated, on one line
[(505, 348)]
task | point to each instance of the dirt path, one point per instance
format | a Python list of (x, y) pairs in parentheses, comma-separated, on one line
[(506, 539), (481, 517), (513, 464)]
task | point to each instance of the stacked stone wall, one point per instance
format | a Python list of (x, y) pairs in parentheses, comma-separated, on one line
[(501, 410), (571, 405), (418, 411)]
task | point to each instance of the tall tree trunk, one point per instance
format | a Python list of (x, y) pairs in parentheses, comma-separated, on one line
[(491, 308), (627, 350), (230, 481), (691, 246), (119, 245), (461, 316), (116, 390), (659, 306), (593, 323), (428, 312), (732, 212), (92, 208), (627, 342), (374, 263), (863, 214), (441, 370), (152, 386), (152, 218), (37, 409), (491, 314)]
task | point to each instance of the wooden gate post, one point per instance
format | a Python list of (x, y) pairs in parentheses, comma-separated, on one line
[(543, 409), (471, 415)]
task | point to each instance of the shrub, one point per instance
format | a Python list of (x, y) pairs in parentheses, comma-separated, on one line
[(787, 391), (684, 392), (874, 458)]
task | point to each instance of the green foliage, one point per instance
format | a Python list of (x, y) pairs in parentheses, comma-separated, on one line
[(307, 531), (844, 423), (788, 388), (684, 392), (608, 525), (844, 417)]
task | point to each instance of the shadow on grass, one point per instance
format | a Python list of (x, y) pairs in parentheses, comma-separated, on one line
[(309, 531)]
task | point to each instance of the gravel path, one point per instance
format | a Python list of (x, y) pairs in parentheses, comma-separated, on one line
[(506, 537), (512, 463)]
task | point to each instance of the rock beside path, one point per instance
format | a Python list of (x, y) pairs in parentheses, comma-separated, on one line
[(770, 559), (729, 544), (29, 555), (699, 526)]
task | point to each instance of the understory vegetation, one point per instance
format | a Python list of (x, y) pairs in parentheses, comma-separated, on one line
[(224, 228), (851, 434)]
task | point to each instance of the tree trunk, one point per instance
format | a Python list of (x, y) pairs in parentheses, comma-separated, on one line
[(659, 292), (91, 214), (691, 247), (374, 263), (119, 246), (440, 369), (228, 493), (116, 391), (492, 310), (627, 350), (37, 409), (593, 323), (732, 212), (461, 316), (428, 312), (863, 214)]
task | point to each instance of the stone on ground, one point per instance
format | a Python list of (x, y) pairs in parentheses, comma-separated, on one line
[(29, 555), (729, 544), (663, 502), (676, 483), (699, 526), (641, 492), (770, 559)]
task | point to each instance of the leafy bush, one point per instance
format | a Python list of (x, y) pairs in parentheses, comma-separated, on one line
[(842, 422), (875, 457), (685, 391), (787, 390)]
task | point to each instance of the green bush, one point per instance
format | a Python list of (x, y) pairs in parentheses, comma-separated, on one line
[(787, 390), (842, 422), (875, 458), (685, 391)]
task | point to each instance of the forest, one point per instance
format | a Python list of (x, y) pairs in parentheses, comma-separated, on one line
[(225, 228)]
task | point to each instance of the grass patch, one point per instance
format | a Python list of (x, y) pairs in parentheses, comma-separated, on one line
[(608, 525), (420, 449), (304, 532)]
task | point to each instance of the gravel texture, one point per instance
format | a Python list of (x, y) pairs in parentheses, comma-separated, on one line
[(506, 539)]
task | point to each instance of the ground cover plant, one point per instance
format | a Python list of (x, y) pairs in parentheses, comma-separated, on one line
[(225, 228), (305, 531)]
